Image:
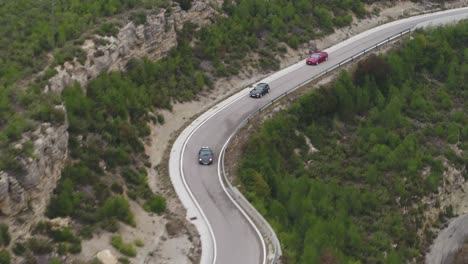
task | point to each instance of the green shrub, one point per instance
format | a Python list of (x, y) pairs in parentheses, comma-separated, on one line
[(64, 203), (124, 260), (324, 18), (62, 249), (110, 224), (64, 235), (117, 188), (68, 53), (464, 133), (124, 248), (5, 257), (19, 249), (131, 176), (10, 163), (156, 204), (74, 248), (138, 242), (55, 261), (15, 128), (116, 156), (28, 149), (5, 237), (138, 18), (108, 29), (47, 112), (160, 118), (86, 231), (101, 41), (453, 133), (118, 207), (185, 4), (39, 246), (459, 117), (341, 21), (360, 10), (94, 261)]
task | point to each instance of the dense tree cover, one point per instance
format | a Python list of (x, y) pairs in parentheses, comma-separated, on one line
[(5, 237), (251, 26), (30, 28), (5, 257), (383, 135), (260, 26), (106, 126)]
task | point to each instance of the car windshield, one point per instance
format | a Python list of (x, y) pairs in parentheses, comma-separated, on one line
[(315, 56), (205, 153)]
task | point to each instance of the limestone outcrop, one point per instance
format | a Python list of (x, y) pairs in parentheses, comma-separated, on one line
[(152, 39), (30, 191)]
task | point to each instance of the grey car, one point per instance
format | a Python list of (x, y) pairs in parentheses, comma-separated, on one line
[(205, 156)]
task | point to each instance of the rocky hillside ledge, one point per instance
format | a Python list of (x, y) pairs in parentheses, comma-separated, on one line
[(28, 193), (152, 39)]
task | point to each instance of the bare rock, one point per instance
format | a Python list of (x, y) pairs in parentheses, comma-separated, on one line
[(106, 257), (11, 195), (26, 195), (3, 185)]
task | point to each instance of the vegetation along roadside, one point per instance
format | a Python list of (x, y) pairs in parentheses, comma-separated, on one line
[(343, 173)]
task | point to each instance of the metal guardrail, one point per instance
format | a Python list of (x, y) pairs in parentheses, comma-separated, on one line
[(259, 220)]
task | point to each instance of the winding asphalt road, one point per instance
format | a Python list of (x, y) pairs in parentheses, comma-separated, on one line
[(227, 235)]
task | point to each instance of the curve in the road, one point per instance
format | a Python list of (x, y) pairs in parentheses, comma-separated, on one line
[(227, 233)]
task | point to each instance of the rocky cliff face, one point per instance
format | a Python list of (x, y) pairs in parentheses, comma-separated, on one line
[(153, 40), (28, 193)]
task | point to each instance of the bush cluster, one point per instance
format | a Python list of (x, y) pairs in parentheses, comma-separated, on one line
[(5, 237), (124, 248), (5, 257)]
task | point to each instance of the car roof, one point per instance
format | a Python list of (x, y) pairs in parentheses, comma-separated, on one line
[(261, 84)]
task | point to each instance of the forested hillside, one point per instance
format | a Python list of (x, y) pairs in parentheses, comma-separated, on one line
[(109, 118), (31, 28), (385, 133), (118, 106)]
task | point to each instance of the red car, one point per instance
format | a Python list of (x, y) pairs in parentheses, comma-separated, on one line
[(317, 57)]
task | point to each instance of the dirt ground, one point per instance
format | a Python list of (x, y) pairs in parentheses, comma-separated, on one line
[(179, 243)]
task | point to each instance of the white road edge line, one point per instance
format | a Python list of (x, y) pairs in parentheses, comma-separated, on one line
[(183, 175), (259, 234), (193, 197)]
